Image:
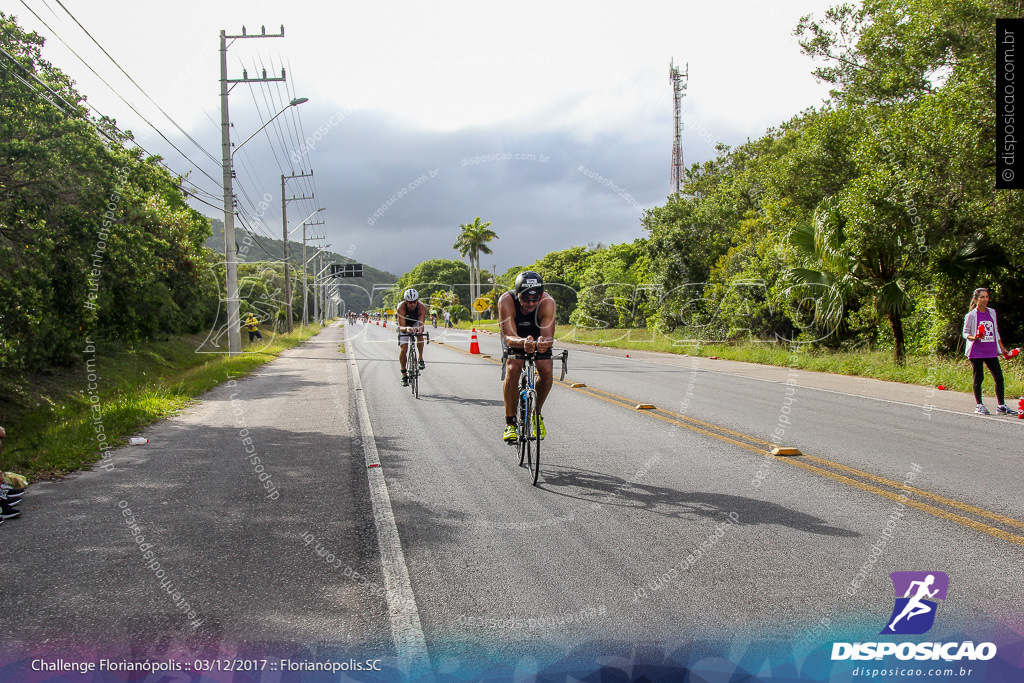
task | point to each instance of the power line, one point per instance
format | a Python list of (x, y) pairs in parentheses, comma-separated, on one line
[(75, 113), (191, 139), (114, 90)]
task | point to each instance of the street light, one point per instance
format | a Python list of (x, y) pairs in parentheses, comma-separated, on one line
[(294, 103), (230, 258), (304, 288), (316, 292)]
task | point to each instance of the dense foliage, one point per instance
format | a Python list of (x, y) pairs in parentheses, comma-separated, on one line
[(865, 222), (96, 242)]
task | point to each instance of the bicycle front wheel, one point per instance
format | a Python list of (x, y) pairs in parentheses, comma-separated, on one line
[(533, 440), (521, 428), (412, 372)]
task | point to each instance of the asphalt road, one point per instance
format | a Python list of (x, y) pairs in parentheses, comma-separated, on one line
[(600, 549), (648, 527)]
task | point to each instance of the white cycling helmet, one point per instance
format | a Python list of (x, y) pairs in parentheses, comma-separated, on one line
[(411, 295)]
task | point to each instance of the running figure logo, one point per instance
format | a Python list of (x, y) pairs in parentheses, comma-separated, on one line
[(914, 612)]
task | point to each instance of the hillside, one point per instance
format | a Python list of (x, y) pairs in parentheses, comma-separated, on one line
[(356, 291)]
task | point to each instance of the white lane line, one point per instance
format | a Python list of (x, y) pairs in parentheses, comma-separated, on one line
[(405, 617)]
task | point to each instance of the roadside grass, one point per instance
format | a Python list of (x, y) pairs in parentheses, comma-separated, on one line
[(58, 421), (953, 372)]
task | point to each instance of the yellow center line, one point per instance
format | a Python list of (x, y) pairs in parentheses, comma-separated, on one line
[(717, 428), (670, 420), (905, 491), (918, 492), (973, 524)]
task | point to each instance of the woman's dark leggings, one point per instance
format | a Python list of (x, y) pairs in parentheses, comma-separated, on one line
[(979, 374)]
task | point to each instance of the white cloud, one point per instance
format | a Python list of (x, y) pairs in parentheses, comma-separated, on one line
[(425, 85)]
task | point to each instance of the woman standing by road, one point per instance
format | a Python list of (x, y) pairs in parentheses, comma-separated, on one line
[(983, 348)]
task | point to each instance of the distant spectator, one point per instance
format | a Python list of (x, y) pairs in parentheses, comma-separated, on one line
[(984, 346), (253, 326)]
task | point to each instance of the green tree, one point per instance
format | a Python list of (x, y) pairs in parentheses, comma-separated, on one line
[(848, 257), (471, 243), (95, 240), (433, 277)]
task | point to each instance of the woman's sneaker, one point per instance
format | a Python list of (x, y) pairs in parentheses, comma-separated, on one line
[(1003, 410), (7, 512), (981, 410)]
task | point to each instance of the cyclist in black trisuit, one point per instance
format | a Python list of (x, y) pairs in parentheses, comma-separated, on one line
[(527, 318), (409, 315)]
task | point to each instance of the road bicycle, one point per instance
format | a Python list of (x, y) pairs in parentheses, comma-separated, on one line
[(412, 362), (527, 412)]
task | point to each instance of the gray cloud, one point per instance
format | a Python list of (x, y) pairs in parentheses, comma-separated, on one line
[(396, 195)]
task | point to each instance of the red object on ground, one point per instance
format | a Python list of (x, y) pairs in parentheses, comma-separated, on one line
[(712, 357), (941, 387), (474, 345), (627, 355)]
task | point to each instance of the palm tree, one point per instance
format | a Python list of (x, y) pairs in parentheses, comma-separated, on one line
[(471, 243), (839, 274)]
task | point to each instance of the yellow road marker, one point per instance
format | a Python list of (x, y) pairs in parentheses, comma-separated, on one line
[(902, 492)]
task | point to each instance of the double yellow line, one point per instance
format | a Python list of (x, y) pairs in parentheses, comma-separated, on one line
[(965, 514)]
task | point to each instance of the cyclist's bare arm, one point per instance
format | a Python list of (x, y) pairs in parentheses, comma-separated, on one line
[(545, 319), (408, 324)]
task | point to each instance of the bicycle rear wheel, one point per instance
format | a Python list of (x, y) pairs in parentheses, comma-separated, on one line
[(533, 458)]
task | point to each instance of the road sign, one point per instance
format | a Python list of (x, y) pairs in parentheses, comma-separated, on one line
[(346, 270), (481, 305)]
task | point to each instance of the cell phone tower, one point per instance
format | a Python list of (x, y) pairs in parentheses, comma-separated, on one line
[(678, 81)]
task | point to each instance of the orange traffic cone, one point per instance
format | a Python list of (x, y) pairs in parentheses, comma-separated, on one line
[(385, 323), (474, 345)]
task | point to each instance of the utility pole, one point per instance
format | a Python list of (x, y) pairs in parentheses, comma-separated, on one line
[(316, 292), (305, 283), (679, 82), (284, 231), (230, 257)]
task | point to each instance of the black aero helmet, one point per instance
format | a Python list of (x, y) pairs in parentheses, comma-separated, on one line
[(529, 284)]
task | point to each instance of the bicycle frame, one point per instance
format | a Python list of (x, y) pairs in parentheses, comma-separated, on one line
[(528, 443), (412, 368)]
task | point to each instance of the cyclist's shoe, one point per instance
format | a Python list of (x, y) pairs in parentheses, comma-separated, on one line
[(422, 365), (511, 434), (543, 429), (405, 380), (1003, 410)]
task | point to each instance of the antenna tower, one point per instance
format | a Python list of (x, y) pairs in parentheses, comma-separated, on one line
[(678, 81)]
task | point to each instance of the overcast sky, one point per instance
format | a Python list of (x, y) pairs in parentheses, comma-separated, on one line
[(552, 120)]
